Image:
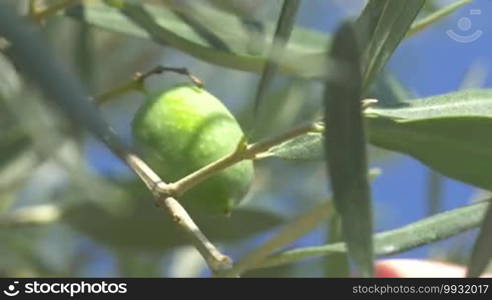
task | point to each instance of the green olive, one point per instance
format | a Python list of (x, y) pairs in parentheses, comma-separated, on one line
[(182, 130)]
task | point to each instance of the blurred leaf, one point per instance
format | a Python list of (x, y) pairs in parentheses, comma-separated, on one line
[(423, 232), (10, 82), (130, 221), (436, 16), (345, 145), (482, 250), (284, 28), (30, 52), (83, 54), (381, 27), (450, 133), (13, 139), (137, 265), (293, 231), (222, 39), (231, 46)]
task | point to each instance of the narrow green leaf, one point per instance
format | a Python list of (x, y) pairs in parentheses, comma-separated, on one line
[(450, 133), (224, 41), (284, 28), (231, 48), (381, 27), (305, 147), (436, 16), (345, 146), (482, 250), (455, 126), (423, 232)]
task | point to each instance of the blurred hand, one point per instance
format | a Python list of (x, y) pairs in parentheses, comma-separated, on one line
[(419, 268)]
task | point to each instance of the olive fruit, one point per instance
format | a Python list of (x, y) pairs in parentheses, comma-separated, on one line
[(182, 130)]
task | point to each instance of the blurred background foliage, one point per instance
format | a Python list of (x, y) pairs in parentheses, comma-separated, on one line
[(68, 207)]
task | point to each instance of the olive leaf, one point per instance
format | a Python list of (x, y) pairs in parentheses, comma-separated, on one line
[(450, 133), (208, 34), (222, 41), (454, 127), (345, 145), (423, 232), (435, 16), (304, 147), (381, 27)]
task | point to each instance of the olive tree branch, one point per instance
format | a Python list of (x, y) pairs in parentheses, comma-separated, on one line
[(65, 90), (243, 152)]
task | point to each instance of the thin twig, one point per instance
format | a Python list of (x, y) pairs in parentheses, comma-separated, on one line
[(214, 258), (242, 153), (138, 81)]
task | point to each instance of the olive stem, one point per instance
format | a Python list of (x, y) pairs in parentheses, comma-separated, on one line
[(138, 80), (243, 152), (163, 199)]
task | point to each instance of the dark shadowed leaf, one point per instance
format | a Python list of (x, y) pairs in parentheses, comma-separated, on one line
[(345, 146), (482, 250)]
